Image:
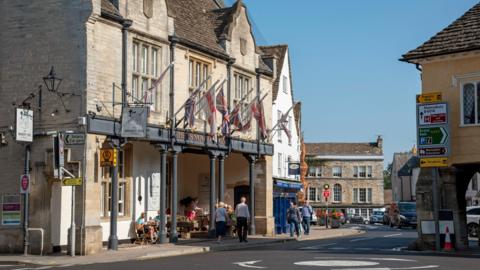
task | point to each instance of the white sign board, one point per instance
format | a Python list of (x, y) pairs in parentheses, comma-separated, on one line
[(24, 125), (134, 122), (154, 193), (432, 114), (428, 226)]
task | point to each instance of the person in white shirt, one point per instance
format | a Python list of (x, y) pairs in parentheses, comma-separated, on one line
[(243, 215)]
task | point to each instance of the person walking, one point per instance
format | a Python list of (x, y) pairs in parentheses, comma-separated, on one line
[(293, 218), (243, 215), (221, 218), (307, 213)]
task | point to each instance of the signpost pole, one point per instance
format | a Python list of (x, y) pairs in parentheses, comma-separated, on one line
[(113, 239), (72, 225), (436, 207), (326, 213), (25, 204)]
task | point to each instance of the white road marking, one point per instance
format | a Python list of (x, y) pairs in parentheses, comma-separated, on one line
[(337, 248), (337, 263), (387, 268), (398, 248), (392, 235), (391, 259), (317, 246), (361, 239), (249, 264)]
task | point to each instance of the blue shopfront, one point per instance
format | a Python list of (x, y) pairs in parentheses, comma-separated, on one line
[(284, 192)]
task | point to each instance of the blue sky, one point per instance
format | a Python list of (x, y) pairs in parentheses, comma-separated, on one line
[(345, 62)]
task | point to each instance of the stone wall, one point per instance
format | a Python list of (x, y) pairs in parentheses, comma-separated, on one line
[(348, 182)]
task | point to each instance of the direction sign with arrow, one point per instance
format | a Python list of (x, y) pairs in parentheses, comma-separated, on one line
[(432, 136), (72, 181)]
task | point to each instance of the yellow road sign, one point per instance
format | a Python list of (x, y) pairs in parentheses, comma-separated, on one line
[(429, 97), (108, 157), (72, 182), (433, 162)]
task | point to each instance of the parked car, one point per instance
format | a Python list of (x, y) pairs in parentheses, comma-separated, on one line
[(357, 219), (403, 214), (473, 217), (377, 216)]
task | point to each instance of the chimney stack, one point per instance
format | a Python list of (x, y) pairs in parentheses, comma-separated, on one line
[(380, 141)]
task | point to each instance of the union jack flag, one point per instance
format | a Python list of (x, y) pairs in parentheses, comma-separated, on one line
[(236, 118), (259, 115), (222, 108), (189, 117)]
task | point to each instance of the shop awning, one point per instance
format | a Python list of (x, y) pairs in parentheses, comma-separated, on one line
[(287, 184)]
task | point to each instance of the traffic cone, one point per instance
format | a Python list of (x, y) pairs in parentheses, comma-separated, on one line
[(448, 242)]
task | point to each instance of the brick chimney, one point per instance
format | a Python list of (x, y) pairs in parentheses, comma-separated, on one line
[(380, 141)]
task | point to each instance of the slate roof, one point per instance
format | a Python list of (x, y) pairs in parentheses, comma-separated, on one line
[(279, 52), (412, 163), (343, 149), (196, 22), (460, 36), (108, 8)]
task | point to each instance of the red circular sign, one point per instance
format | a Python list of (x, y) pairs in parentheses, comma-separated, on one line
[(326, 193), (25, 182)]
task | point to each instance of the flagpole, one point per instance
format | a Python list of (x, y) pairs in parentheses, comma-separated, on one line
[(214, 94), (249, 106), (195, 92), (279, 120)]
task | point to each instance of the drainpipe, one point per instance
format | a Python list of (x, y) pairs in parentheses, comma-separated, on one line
[(126, 25), (173, 42)]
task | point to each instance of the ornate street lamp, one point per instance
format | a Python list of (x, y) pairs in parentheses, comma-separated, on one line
[(52, 82)]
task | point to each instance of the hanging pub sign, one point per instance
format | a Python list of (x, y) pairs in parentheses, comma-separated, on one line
[(134, 122), (294, 168), (24, 125)]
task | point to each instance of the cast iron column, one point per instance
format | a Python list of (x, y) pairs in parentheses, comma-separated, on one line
[(125, 26), (163, 196), (173, 224), (113, 239), (211, 228), (251, 171), (221, 176)]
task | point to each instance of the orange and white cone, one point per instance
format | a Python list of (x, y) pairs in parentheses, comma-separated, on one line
[(448, 242)]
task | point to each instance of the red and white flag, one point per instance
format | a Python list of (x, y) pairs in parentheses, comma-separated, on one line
[(149, 95), (259, 114), (211, 111)]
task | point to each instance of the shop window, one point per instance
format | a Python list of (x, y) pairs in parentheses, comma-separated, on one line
[(471, 104), (145, 70), (337, 193), (364, 213), (337, 171), (124, 175)]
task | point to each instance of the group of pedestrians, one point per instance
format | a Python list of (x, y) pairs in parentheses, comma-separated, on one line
[(299, 218), (242, 215)]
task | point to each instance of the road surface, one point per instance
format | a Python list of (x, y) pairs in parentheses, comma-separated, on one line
[(380, 248)]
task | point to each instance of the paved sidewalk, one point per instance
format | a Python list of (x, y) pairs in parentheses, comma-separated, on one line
[(184, 247)]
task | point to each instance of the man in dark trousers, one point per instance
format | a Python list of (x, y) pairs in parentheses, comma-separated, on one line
[(243, 215)]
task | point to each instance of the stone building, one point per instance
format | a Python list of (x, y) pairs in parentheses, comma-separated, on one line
[(354, 172), (109, 53), (405, 171), (449, 63), (286, 181)]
